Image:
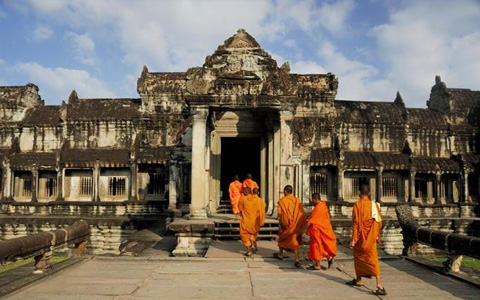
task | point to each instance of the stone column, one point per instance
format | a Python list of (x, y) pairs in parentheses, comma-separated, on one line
[(466, 196), (270, 178), (215, 169), (59, 170), (172, 186), (411, 184), (133, 180), (7, 182), (277, 189), (96, 181), (34, 183), (199, 131), (438, 183), (263, 168), (340, 180), (379, 182)]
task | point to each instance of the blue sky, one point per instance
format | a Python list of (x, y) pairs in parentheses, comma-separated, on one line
[(374, 47)]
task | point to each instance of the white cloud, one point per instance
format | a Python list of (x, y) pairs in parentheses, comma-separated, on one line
[(357, 80), (307, 67), (42, 33), (83, 47), (422, 40), (56, 84)]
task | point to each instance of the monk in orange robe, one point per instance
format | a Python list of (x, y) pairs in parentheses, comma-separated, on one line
[(323, 242), (366, 226), (250, 220), (261, 218), (249, 182), (292, 222), (234, 191)]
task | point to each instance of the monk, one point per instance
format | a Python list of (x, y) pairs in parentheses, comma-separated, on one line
[(261, 218), (250, 220), (234, 191), (292, 222), (366, 226), (249, 182), (323, 242)]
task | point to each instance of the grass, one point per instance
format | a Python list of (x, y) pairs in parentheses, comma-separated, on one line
[(19, 263), (468, 262)]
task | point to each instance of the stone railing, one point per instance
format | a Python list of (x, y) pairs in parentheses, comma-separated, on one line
[(455, 245), (41, 245)]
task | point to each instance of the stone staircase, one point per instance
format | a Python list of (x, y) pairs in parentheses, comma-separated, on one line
[(227, 228), (225, 207)]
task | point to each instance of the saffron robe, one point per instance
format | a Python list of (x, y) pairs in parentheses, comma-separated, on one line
[(323, 241), (234, 190), (249, 183), (261, 218), (366, 235), (292, 221), (251, 209)]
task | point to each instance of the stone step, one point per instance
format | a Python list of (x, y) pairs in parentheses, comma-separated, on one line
[(236, 229), (237, 236)]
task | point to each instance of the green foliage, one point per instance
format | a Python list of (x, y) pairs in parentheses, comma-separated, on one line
[(13, 265), (468, 262)]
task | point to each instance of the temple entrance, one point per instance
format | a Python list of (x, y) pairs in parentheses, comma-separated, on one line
[(239, 156)]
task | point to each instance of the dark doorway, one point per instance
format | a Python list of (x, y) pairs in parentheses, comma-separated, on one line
[(239, 156)]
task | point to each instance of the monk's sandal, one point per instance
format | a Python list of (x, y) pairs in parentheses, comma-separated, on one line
[(381, 292)]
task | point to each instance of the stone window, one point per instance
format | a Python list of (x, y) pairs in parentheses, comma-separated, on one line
[(48, 187), (390, 186), (86, 186), (156, 185), (421, 188), (318, 183), (356, 183), (26, 184), (117, 186)]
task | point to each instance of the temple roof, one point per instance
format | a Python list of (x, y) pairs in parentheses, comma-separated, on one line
[(424, 164), (323, 157), (426, 118), (103, 109), (88, 157), (43, 115), (154, 155), (361, 112), (463, 99), (25, 161)]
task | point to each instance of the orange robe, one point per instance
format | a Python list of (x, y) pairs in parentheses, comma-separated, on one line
[(261, 218), (234, 190), (366, 234), (323, 241), (249, 183), (250, 222), (292, 221)]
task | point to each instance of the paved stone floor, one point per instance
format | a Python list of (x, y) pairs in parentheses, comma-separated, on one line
[(225, 274)]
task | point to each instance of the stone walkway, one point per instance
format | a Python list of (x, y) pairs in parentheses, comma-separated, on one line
[(225, 274)]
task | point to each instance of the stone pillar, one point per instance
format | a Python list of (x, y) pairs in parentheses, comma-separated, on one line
[(411, 184), (215, 193), (287, 173), (270, 178), (340, 181), (438, 183), (199, 131), (277, 189), (133, 180), (172, 186), (7, 182), (96, 181), (34, 183), (59, 170), (466, 195), (379, 182), (263, 168)]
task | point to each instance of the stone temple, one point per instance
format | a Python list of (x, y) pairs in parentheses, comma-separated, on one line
[(123, 163)]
